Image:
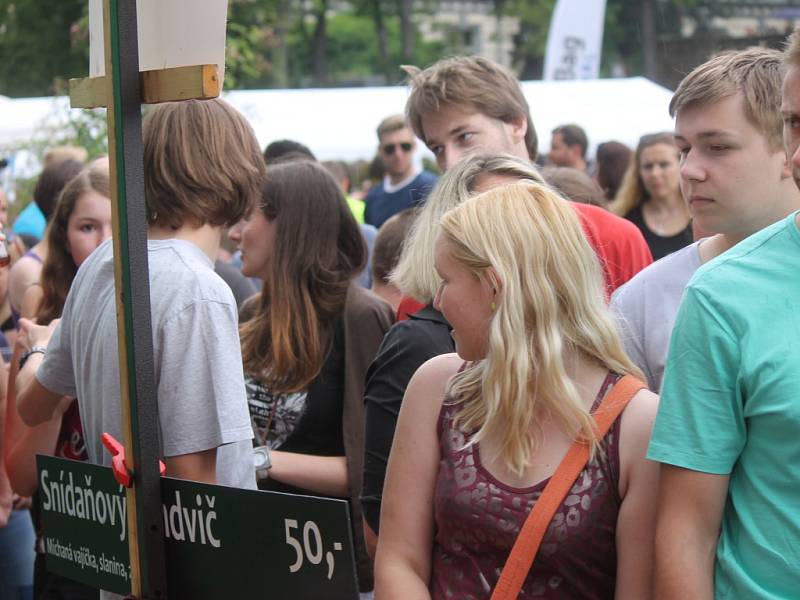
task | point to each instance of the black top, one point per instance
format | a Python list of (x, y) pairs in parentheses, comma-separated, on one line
[(304, 423), (405, 347), (659, 245)]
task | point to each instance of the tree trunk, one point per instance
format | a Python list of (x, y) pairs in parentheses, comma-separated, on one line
[(649, 44), (407, 29), (320, 54), (280, 55), (383, 44)]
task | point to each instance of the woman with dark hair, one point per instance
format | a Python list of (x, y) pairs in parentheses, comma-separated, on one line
[(650, 195), (308, 338), (612, 162), (26, 271), (81, 222)]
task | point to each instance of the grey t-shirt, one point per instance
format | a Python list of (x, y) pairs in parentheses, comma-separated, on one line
[(198, 367), (646, 307)]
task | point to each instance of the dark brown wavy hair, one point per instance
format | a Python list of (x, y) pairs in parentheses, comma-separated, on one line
[(318, 250), (59, 268)]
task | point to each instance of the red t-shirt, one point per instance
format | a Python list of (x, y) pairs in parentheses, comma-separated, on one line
[(618, 242)]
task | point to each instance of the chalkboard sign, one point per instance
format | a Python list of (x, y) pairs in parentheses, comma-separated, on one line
[(220, 541)]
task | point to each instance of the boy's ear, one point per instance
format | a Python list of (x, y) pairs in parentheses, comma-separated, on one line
[(518, 127), (786, 172)]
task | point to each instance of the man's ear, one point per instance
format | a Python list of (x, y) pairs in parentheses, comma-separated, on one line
[(786, 172), (518, 128)]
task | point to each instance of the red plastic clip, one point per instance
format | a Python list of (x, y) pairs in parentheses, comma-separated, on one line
[(121, 472)]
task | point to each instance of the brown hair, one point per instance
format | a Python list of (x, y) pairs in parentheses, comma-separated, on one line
[(56, 175), (573, 135), (202, 164), (612, 162), (317, 251), (632, 191), (59, 267), (471, 81), (390, 125), (389, 244), (755, 72), (574, 185)]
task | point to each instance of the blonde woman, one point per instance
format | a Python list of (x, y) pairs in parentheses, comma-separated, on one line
[(650, 195), (481, 431), (426, 333)]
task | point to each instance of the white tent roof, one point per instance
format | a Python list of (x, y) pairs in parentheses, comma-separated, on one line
[(340, 123)]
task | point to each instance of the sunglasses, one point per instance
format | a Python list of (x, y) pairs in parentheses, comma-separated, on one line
[(390, 148)]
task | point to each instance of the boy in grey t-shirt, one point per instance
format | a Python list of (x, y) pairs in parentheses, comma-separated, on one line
[(734, 177), (646, 307), (203, 171)]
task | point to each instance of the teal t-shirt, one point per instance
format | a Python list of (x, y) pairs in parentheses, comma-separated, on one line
[(730, 404)]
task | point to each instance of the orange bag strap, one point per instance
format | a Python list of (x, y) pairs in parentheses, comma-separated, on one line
[(530, 536)]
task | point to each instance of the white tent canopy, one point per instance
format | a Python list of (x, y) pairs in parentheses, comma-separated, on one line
[(340, 123)]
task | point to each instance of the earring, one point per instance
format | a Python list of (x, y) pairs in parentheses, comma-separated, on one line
[(494, 306)]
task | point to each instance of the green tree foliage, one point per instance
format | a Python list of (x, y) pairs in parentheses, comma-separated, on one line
[(624, 36), (531, 41), (42, 42)]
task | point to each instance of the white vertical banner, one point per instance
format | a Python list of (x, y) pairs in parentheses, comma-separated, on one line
[(172, 33), (575, 40)]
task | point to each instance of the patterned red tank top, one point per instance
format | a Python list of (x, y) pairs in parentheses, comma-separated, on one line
[(478, 519)]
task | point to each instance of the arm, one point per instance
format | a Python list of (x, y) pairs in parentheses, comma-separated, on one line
[(403, 561), (370, 539), (23, 443), (326, 475), (36, 404), (23, 274), (402, 352), (5, 487), (699, 435), (638, 485), (197, 466), (689, 516), (30, 301)]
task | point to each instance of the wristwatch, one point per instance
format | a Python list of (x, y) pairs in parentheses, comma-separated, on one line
[(261, 462)]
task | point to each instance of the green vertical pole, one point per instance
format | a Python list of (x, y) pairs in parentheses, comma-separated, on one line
[(137, 381)]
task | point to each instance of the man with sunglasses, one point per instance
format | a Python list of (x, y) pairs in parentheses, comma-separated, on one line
[(404, 185)]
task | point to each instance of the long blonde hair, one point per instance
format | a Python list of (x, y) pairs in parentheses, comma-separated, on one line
[(551, 300), (414, 274)]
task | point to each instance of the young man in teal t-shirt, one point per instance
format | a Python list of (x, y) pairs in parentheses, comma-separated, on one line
[(728, 522)]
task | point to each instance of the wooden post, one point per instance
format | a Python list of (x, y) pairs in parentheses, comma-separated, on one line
[(140, 423)]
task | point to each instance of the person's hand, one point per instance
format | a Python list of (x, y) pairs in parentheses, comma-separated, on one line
[(6, 502), (32, 335), (19, 502)]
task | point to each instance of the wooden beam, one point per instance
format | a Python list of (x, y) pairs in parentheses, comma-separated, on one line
[(199, 82)]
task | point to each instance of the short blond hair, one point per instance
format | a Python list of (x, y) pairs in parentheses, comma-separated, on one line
[(390, 125), (415, 274), (791, 53), (756, 73), (527, 241), (468, 81), (202, 164)]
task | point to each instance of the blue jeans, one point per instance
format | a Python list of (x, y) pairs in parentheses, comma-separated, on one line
[(16, 557)]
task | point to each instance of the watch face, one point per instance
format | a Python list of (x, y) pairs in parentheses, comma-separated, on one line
[(259, 458)]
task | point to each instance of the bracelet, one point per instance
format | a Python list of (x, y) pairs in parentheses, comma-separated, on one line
[(27, 354)]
